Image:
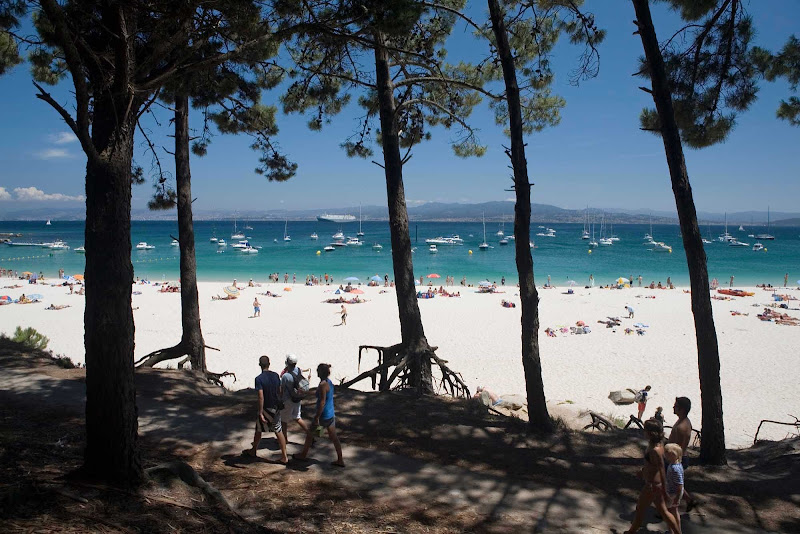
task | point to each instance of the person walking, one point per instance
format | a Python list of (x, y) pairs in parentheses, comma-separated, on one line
[(256, 308), (268, 385), (681, 434), (324, 418), (292, 383), (343, 313), (641, 399)]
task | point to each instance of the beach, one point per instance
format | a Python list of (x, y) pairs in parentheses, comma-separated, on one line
[(479, 338)]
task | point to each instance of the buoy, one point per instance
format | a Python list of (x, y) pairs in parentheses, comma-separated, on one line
[(590, 251), (765, 250), (670, 251), (318, 253), (470, 252)]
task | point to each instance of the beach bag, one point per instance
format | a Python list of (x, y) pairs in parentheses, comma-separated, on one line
[(300, 387)]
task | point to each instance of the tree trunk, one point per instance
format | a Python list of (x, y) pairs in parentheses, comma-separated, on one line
[(111, 416), (538, 417), (192, 339), (712, 445), (412, 332)]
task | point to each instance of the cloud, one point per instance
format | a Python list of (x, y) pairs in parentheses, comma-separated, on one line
[(4, 195), (53, 153), (32, 194), (62, 138)]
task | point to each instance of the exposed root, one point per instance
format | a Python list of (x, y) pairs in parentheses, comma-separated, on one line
[(216, 378), (177, 351), (189, 476), (399, 378)]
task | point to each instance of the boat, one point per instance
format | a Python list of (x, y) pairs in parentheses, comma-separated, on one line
[(511, 237), (757, 246), (604, 241), (338, 235), (249, 250), (242, 244), (175, 243), (338, 244), (236, 233), (432, 249), (81, 250), (708, 240), (735, 292), (58, 245), (549, 233), (445, 240), (767, 235), (247, 227), (500, 232), (314, 236), (213, 239), (354, 241), (726, 237), (24, 244), (329, 248), (484, 245), (286, 236), (659, 246), (737, 243), (531, 244), (334, 218), (648, 238), (222, 243), (585, 234), (377, 246), (592, 242), (47, 223), (144, 246), (741, 228), (614, 238), (504, 241), (359, 233)]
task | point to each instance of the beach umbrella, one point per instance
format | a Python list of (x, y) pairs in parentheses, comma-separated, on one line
[(485, 283), (26, 272), (356, 292), (376, 278), (77, 276), (231, 291), (434, 275), (5, 298), (351, 279), (622, 280)]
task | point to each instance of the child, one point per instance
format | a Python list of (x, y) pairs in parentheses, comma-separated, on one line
[(674, 487)]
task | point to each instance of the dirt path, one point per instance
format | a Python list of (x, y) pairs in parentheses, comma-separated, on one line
[(186, 417)]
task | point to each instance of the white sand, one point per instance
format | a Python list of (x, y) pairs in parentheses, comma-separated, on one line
[(480, 339)]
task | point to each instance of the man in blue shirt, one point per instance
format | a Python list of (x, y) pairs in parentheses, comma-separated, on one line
[(268, 386)]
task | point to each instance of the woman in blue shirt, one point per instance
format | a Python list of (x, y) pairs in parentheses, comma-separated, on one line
[(324, 417)]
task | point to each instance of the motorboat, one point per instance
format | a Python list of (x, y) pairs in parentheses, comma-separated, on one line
[(338, 244), (605, 242), (658, 246), (377, 246), (242, 244), (175, 243), (504, 241), (144, 246), (329, 248), (737, 243), (58, 245), (432, 249), (338, 235), (222, 243), (249, 250), (511, 237), (757, 246), (354, 241), (81, 250), (447, 240), (531, 244), (23, 244), (741, 228), (314, 236), (248, 227), (213, 239), (707, 242)]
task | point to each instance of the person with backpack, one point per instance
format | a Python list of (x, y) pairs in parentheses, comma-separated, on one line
[(294, 388)]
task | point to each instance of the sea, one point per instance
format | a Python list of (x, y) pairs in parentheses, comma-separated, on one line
[(566, 258)]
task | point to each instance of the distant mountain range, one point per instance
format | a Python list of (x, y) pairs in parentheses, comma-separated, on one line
[(434, 211)]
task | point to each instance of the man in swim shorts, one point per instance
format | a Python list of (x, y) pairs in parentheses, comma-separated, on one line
[(268, 385)]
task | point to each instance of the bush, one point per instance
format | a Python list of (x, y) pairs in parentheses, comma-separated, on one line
[(30, 338)]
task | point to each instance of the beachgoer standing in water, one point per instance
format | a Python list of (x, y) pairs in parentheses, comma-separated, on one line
[(785, 279), (591, 280), (730, 284), (325, 417), (256, 308)]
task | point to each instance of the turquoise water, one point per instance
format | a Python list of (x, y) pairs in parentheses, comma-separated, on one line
[(563, 257)]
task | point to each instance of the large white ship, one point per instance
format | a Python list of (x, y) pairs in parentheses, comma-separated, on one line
[(328, 217)]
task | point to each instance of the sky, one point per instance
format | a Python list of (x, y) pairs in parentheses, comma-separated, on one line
[(596, 156)]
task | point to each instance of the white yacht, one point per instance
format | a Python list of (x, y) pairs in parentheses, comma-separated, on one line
[(726, 237), (585, 234), (432, 249), (338, 244), (359, 233), (58, 245), (737, 243), (531, 244), (314, 236), (377, 246), (222, 243), (47, 223), (757, 246), (549, 233), (242, 244), (511, 237), (354, 241), (249, 250), (658, 246), (175, 243), (446, 240), (329, 248), (144, 246), (504, 241), (338, 235)]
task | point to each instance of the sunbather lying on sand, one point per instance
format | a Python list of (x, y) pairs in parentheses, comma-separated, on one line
[(57, 307), (226, 297), (271, 294)]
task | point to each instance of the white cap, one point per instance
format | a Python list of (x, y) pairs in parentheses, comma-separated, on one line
[(291, 359)]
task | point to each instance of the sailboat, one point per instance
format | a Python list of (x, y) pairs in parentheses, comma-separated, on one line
[(214, 235), (766, 236), (726, 237), (604, 241), (592, 242), (708, 241), (285, 231), (314, 236), (484, 245), (585, 234), (236, 233), (359, 233), (500, 232), (47, 223), (648, 238)]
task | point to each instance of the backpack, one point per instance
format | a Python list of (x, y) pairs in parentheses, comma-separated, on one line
[(641, 396), (300, 387)]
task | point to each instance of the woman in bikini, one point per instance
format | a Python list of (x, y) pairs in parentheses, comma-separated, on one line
[(654, 476)]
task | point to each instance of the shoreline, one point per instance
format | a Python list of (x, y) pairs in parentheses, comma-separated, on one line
[(479, 338)]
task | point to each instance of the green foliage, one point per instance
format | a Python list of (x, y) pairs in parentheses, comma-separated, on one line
[(712, 73), (30, 338), (10, 11), (9, 52), (786, 65)]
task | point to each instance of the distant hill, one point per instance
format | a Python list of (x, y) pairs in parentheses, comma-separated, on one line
[(795, 221)]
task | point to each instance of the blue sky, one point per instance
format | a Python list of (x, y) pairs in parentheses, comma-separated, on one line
[(596, 156)]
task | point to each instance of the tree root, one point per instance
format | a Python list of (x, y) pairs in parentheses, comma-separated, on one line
[(451, 382), (189, 476), (175, 352)]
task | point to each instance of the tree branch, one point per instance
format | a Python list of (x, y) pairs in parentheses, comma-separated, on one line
[(83, 137)]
